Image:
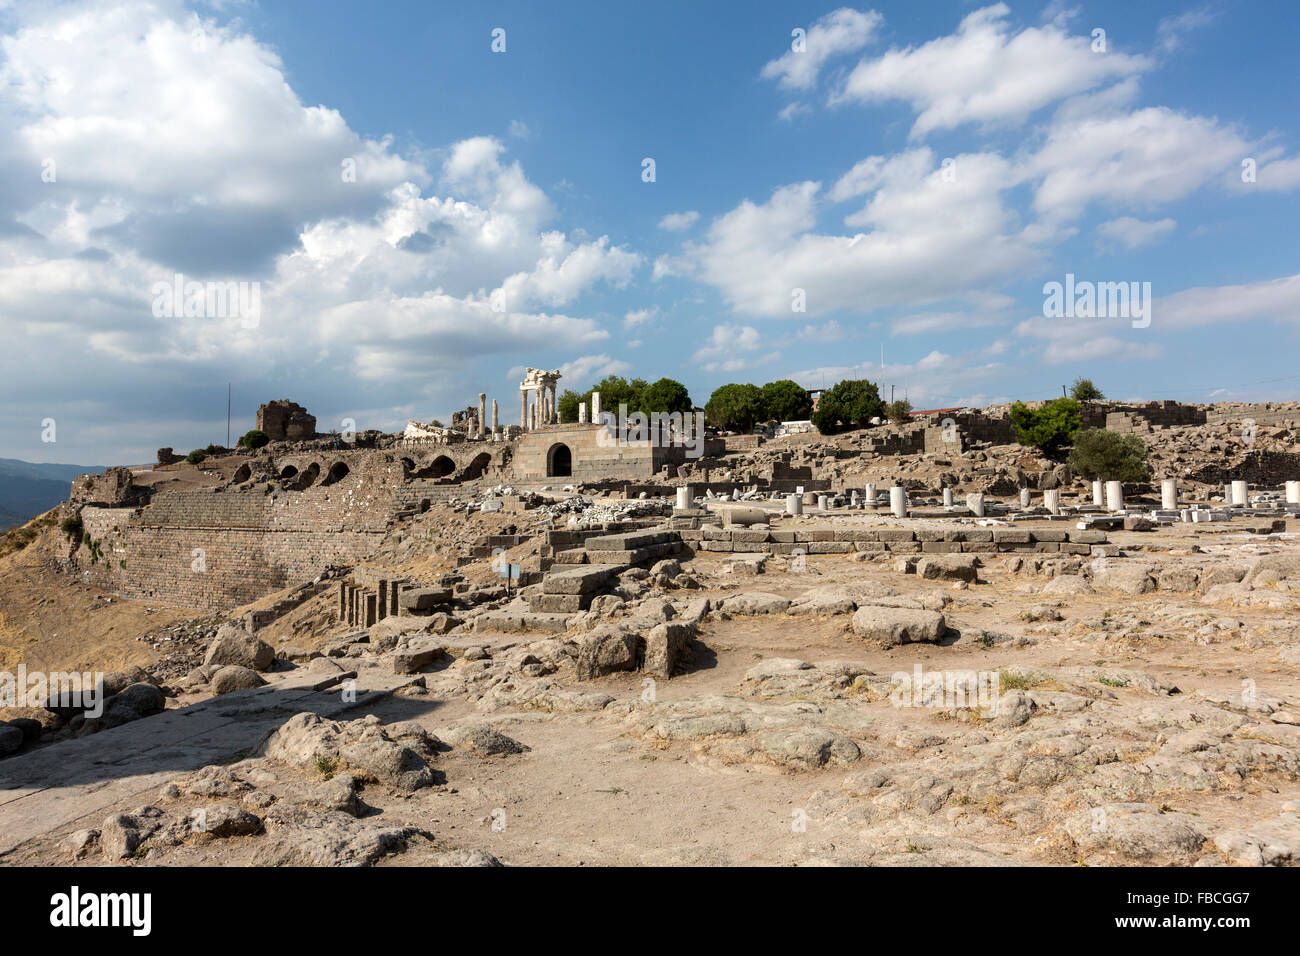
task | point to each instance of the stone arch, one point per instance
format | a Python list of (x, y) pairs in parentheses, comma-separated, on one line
[(288, 472), (559, 461), (476, 467), (338, 471), (308, 477)]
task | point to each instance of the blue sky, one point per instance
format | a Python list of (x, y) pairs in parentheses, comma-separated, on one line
[(919, 171)]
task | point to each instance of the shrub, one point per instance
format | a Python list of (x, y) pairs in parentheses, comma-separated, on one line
[(1048, 427), (254, 438), (899, 412), (196, 456), (1099, 455), (851, 403), (71, 526), (1084, 391)]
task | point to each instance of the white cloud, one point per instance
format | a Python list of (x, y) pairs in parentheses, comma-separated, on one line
[(985, 73), (1136, 159), (586, 370), (1134, 233), (788, 112), (839, 32), (1271, 299), (679, 221), (174, 159), (929, 237), (519, 129), (639, 317), (1171, 30)]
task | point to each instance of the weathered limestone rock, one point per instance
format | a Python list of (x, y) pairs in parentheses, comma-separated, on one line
[(668, 648), (891, 625), (234, 645), (605, 650), (233, 677), (949, 567)]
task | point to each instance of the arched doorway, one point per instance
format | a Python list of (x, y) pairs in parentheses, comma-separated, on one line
[(559, 461), (476, 467)]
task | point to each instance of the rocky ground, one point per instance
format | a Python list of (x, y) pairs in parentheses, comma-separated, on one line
[(1139, 709)]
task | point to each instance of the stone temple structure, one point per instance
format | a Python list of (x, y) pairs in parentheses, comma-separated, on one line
[(543, 409)]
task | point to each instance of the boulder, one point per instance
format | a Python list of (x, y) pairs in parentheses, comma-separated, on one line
[(755, 602), (605, 650), (233, 677), (482, 739), (668, 648), (11, 739), (893, 625), (234, 645), (949, 567)]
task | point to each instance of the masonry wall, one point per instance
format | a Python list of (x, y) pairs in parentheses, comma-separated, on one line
[(592, 461), (214, 548)]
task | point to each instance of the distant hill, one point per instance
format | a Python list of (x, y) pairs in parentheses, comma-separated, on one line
[(28, 489)]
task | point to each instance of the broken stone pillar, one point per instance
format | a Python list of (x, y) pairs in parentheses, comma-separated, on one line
[(482, 413), (1293, 492), (823, 503), (1052, 500), (494, 417), (1227, 493), (1114, 496), (794, 504), (685, 497), (1169, 494), (1240, 494), (582, 413), (947, 497), (1024, 498), (595, 407), (975, 502), (871, 496), (523, 409), (853, 498), (898, 501), (1097, 498)]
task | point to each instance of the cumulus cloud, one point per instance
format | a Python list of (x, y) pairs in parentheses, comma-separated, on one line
[(679, 221), (589, 369), (839, 32), (932, 231), (1134, 233), (986, 73), (177, 145)]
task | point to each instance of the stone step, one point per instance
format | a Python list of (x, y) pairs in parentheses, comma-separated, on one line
[(630, 541), (579, 579)]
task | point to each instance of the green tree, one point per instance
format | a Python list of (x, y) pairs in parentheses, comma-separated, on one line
[(1109, 456), (1048, 427), (851, 403), (899, 412), (1084, 391), (254, 438), (665, 396), (786, 401), (734, 406), (196, 456), (567, 406)]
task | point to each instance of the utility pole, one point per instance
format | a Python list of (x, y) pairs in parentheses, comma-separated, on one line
[(227, 414)]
